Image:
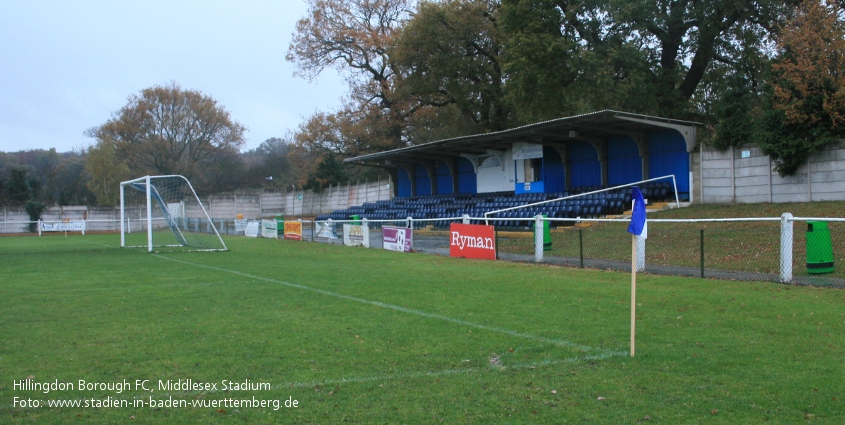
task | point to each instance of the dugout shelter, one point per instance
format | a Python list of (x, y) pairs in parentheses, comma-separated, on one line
[(599, 149)]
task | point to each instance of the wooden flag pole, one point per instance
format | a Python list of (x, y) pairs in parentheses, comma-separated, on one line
[(633, 290)]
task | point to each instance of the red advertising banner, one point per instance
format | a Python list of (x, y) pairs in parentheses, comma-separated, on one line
[(293, 230), (472, 241)]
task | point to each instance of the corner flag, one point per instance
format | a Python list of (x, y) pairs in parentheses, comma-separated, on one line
[(638, 224), (639, 230)]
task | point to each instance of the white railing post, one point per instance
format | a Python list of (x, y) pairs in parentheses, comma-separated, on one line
[(786, 244), (538, 238), (466, 218)]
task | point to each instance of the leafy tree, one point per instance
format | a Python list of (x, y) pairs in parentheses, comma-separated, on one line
[(275, 151), (736, 112), (42, 166), (271, 163), (440, 122), (339, 133), (806, 107), (18, 188), (546, 45), (71, 181), (643, 55), (224, 174), (328, 171), (169, 130), (354, 37), (59, 178), (34, 210), (34, 186), (22, 190), (6, 165), (106, 171), (449, 54), (342, 134)]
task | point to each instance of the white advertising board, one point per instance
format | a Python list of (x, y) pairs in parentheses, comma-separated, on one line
[(252, 229), (269, 229), (63, 226), (356, 235)]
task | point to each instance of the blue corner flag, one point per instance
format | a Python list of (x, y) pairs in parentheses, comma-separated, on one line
[(638, 224)]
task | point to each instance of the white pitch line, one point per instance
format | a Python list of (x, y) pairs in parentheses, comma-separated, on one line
[(605, 355), (116, 288), (413, 375), (557, 342)]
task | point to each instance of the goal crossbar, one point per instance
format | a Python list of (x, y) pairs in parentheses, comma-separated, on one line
[(183, 215)]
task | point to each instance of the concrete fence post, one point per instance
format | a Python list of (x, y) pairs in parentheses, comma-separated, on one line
[(538, 238), (786, 244)]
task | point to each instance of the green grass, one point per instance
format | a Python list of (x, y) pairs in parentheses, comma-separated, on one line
[(369, 336)]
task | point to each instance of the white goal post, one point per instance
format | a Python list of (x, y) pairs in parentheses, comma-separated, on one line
[(164, 213)]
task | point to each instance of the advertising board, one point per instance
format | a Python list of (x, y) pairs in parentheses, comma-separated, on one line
[(472, 241), (252, 229), (398, 238), (293, 230), (356, 235), (269, 229)]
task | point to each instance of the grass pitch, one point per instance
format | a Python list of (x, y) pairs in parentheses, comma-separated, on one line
[(369, 336)]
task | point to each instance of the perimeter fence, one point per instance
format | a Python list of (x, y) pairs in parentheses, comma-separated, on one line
[(786, 249), (783, 249)]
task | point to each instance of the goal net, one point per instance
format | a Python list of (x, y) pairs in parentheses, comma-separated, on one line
[(163, 213)]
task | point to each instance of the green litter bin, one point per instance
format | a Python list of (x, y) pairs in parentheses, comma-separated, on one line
[(356, 219), (547, 235), (280, 223), (819, 248)]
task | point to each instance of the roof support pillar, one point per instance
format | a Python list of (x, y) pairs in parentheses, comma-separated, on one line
[(412, 175), (453, 173), (431, 167)]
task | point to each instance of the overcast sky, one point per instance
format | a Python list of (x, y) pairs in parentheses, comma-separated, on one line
[(66, 66)]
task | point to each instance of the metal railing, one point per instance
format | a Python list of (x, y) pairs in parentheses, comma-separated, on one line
[(752, 249)]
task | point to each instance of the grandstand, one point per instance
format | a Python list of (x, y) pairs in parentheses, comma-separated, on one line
[(447, 207), (492, 175)]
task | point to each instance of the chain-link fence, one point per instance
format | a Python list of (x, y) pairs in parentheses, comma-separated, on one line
[(772, 249), (750, 253)]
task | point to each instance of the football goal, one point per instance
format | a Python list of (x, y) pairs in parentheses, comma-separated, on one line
[(164, 213)]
